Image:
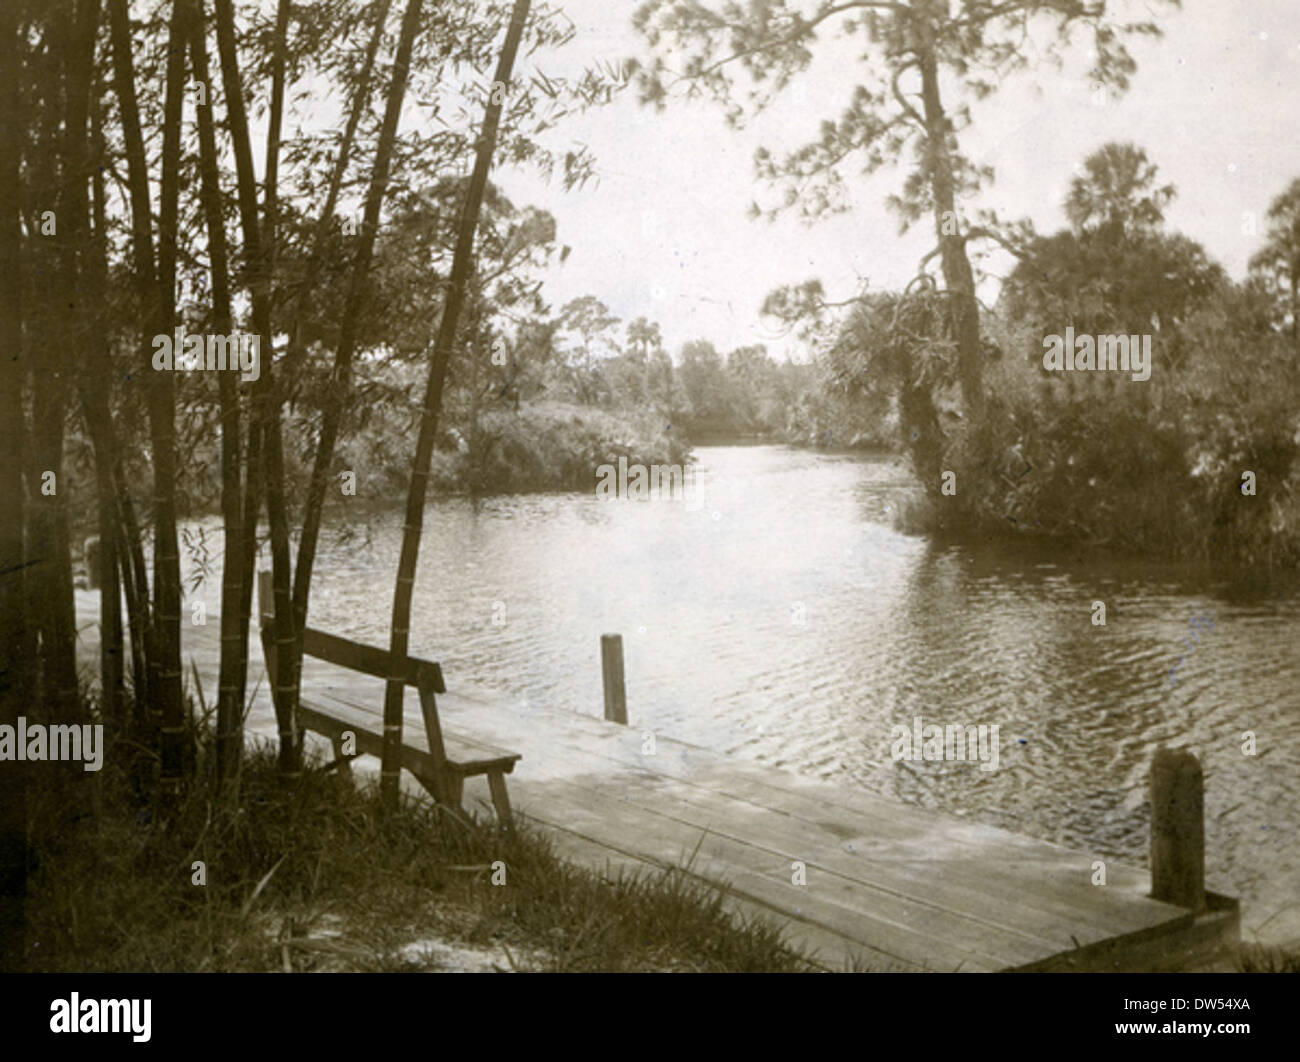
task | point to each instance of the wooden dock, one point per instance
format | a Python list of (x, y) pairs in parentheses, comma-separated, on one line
[(887, 886)]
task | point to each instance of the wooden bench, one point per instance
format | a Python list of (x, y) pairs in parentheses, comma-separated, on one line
[(441, 768)]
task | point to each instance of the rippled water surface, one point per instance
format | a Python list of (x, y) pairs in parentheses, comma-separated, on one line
[(784, 620)]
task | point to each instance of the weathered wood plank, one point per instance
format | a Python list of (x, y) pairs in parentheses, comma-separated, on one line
[(368, 659), (848, 874), (877, 920), (1178, 829), (611, 672), (344, 652), (500, 798), (1019, 885), (432, 727), (823, 946)]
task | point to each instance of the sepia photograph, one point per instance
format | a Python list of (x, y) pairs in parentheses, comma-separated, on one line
[(650, 486)]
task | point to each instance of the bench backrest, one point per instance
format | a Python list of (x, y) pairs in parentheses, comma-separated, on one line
[(346, 653), (425, 675)]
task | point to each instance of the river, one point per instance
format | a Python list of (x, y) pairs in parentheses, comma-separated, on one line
[(785, 620)]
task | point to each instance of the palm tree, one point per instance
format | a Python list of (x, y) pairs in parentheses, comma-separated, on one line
[(1117, 192)]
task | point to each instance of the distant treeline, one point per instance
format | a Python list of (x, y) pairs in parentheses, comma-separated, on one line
[(541, 409), (561, 408)]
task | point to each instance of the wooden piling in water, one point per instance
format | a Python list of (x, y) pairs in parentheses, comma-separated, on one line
[(1178, 829), (611, 670)]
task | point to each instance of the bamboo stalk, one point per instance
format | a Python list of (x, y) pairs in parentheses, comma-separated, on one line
[(266, 471), (460, 270), (341, 373), (233, 667), (167, 571), (16, 635), (162, 629)]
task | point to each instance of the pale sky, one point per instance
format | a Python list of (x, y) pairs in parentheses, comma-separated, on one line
[(664, 233)]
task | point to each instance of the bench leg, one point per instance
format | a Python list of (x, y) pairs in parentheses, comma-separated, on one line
[(448, 801), (428, 787), (455, 784), (345, 764), (500, 799), (445, 792)]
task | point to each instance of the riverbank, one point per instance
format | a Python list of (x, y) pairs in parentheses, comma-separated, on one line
[(542, 446), (315, 879), (1202, 464)]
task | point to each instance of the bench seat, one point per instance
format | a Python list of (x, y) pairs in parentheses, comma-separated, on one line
[(331, 717)]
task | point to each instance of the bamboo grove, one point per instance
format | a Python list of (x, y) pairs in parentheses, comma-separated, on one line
[(171, 166)]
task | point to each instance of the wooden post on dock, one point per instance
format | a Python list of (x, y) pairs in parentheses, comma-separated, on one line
[(611, 670), (1177, 829)]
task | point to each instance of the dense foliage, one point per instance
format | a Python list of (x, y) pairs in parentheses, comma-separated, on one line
[(1199, 461)]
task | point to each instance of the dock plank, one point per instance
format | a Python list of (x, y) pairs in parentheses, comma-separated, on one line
[(856, 914), (824, 947)]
